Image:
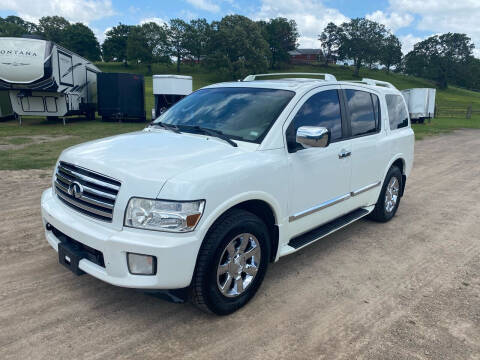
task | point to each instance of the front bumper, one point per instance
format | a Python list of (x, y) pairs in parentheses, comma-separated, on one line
[(176, 253)]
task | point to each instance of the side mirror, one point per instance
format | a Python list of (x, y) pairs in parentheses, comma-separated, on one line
[(313, 136)]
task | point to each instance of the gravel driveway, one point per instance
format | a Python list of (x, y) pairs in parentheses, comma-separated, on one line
[(408, 289)]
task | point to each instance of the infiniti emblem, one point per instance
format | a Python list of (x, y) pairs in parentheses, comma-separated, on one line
[(75, 189)]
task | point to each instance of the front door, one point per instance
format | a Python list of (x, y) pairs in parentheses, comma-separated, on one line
[(319, 177)]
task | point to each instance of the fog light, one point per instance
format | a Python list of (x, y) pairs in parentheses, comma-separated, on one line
[(139, 264)]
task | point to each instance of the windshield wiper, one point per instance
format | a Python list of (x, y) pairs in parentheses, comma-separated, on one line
[(212, 132), (170, 127)]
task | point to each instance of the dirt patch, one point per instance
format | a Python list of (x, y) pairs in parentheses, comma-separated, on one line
[(20, 142), (407, 289)]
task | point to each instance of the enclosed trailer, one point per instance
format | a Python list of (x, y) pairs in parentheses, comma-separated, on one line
[(169, 89), (121, 96), (45, 79), (420, 102)]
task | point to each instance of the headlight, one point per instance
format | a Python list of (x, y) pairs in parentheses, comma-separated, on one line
[(174, 216)]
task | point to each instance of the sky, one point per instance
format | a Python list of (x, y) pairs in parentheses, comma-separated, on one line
[(410, 20)]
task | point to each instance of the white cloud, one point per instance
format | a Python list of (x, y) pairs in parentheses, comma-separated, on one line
[(206, 5), (392, 20), (408, 41), (311, 17), (100, 35), (441, 16), (156, 20), (83, 11)]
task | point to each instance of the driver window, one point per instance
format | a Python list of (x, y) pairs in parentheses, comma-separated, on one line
[(322, 109)]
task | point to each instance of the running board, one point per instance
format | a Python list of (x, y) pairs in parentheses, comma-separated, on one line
[(324, 230)]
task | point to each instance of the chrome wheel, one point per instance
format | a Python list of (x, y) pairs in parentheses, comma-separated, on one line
[(238, 265), (391, 195)]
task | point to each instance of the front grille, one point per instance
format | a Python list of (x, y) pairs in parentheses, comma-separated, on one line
[(86, 191)]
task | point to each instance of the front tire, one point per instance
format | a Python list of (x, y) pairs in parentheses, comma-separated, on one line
[(389, 199), (231, 264)]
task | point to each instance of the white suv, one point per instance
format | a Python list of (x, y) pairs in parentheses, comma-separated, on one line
[(231, 178)]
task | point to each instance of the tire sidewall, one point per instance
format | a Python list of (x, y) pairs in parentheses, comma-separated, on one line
[(216, 301), (393, 172)]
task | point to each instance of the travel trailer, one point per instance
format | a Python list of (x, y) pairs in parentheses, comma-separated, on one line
[(45, 79)]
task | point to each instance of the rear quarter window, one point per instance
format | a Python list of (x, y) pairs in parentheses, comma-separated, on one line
[(397, 112)]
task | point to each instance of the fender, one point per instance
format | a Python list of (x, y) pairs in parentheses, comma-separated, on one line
[(238, 199)]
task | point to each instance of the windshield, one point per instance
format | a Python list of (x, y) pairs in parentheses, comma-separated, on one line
[(240, 113)]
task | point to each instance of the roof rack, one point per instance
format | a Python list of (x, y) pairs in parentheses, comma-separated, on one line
[(327, 77), (377, 83)]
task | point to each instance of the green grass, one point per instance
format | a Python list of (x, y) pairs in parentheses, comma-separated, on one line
[(44, 155), (444, 125), (18, 140)]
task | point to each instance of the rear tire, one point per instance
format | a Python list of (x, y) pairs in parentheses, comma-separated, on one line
[(231, 264), (389, 199)]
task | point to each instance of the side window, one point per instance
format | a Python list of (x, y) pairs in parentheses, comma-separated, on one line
[(322, 109), (397, 113), (362, 115)]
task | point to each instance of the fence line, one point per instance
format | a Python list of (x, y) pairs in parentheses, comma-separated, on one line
[(456, 112)]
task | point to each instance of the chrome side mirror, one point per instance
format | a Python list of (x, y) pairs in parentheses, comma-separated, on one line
[(313, 136)]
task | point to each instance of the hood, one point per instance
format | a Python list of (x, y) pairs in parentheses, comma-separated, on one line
[(149, 158)]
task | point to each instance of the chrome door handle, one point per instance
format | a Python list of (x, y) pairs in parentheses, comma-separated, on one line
[(344, 154)]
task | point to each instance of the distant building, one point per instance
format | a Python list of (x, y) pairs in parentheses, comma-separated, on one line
[(306, 56)]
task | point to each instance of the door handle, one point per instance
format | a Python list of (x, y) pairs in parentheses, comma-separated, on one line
[(344, 153)]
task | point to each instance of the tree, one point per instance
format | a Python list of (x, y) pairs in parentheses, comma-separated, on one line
[(360, 40), (81, 40), (114, 47), (330, 39), (440, 57), (177, 35), (53, 28), (196, 38), (147, 43), (156, 37), (15, 26), (237, 48), (391, 52), (281, 35)]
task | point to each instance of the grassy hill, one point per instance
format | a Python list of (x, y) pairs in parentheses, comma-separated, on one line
[(38, 142)]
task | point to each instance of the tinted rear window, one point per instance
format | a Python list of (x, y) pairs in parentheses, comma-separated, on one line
[(397, 113), (362, 115)]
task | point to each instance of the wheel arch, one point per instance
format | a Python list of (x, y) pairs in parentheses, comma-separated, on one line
[(260, 205), (398, 161)]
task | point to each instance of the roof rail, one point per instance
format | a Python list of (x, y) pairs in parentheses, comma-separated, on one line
[(378, 83), (327, 77)]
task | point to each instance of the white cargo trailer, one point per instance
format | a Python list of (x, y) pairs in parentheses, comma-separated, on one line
[(45, 79), (420, 102), (168, 89)]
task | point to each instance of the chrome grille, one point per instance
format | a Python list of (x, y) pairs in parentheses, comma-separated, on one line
[(86, 191)]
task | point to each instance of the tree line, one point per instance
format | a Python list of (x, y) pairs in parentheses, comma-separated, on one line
[(446, 58), (236, 46)]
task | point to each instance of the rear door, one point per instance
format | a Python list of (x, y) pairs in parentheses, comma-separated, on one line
[(368, 143)]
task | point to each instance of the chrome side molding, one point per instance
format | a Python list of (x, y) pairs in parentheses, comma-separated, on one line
[(316, 208), (333, 201), (365, 188)]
